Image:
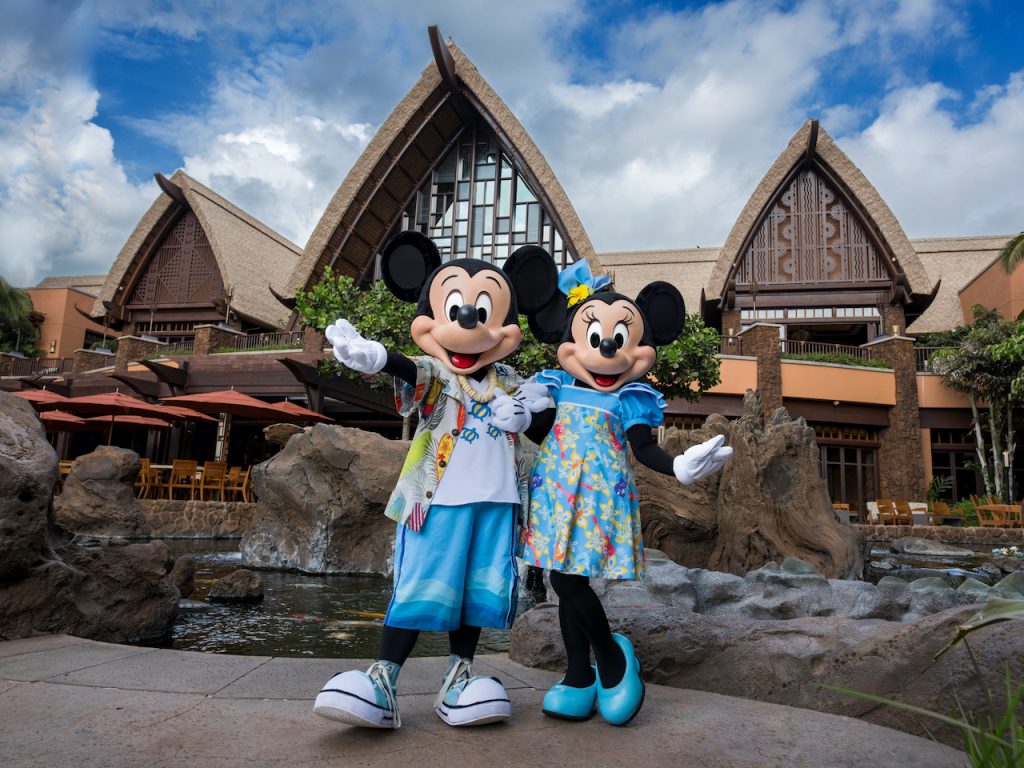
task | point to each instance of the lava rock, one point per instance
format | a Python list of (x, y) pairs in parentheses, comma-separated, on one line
[(241, 586), (99, 495), (912, 545), (183, 575)]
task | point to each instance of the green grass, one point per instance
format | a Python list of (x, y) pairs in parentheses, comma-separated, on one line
[(837, 358)]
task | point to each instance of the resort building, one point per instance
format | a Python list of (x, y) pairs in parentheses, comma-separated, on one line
[(815, 264)]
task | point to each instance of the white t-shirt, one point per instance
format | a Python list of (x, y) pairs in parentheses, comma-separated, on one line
[(480, 467)]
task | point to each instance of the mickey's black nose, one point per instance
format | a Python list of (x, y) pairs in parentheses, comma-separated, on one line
[(467, 316), (608, 347)]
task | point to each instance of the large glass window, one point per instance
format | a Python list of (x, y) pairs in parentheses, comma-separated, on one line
[(849, 463), (476, 204)]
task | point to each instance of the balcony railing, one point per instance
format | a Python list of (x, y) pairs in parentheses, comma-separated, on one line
[(790, 347), (179, 347), (281, 340), (923, 357), (36, 366), (730, 345)]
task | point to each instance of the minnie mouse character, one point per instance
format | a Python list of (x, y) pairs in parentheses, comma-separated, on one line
[(464, 482), (584, 517)]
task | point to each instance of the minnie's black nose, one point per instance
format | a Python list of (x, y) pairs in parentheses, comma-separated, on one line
[(608, 347), (468, 316)]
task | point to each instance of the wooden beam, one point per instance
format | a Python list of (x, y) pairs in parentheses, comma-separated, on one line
[(173, 191), (175, 378)]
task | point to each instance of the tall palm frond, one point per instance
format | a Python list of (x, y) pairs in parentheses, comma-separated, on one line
[(15, 305), (1013, 253)]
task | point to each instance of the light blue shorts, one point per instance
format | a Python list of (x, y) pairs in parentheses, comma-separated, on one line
[(460, 568)]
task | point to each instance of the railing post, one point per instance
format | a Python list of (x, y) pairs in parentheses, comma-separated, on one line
[(90, 360), (210, 337), (761, 340), (313, 341), (131, 349), (900, 449), (7, 364)]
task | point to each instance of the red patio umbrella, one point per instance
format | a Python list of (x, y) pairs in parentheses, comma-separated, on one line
[(130, 421), (62, 421), (177, 413), (302, 413), (41, 397), (109, 404)]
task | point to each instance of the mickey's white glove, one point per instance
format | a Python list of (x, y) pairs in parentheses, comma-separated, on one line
[(701, 460), (509, 413), (534, 396), (352, 350)]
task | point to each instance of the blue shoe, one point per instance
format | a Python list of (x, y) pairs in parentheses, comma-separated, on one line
[(621, 703), (569, 703)]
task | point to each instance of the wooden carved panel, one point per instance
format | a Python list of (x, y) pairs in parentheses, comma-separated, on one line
[(810, 236), (183, 269)]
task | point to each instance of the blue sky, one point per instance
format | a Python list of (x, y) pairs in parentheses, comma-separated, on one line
[(659, 119)]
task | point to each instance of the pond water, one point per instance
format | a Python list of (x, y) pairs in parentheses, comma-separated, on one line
[(301, 615), (910, 567)]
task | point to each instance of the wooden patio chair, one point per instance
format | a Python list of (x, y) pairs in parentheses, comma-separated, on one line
[(886, 511), (942, 514), (143, 483), (183, 475), (990, 515), (233, 484), (213, 477), (241, 486), (904, 515)]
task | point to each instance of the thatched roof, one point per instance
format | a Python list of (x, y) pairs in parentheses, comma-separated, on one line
[(401, 154), (862, 191), (250, 255), (687, 269), (956, 261), (88, 284)]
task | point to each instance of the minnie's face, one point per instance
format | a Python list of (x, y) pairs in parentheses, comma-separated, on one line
[(467, 330), (605, 349)]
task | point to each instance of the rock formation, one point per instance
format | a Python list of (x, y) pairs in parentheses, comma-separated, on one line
[(321, 503), (98, 498), (768, 503), (241, 586), (779, 632), (117, 593)]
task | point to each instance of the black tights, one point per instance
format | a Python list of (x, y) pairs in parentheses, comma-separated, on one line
[(585, 626), (396, 644)]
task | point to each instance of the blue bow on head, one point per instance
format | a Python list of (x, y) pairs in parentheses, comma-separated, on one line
[(577, 283)]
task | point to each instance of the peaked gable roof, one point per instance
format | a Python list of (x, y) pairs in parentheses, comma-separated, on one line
[(404, 150), (250, 255), (812, 144)]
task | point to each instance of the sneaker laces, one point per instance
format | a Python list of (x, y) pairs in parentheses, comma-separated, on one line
[(381, 678), (460, 674)]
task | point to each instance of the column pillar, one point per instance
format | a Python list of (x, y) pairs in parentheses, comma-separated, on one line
[(761, 340), (211, 337), (131, 349)]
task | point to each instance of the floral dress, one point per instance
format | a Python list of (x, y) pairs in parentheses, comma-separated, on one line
[(584, 512)]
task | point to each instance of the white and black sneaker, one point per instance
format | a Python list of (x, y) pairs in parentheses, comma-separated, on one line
[(362, 698), (468, 699)]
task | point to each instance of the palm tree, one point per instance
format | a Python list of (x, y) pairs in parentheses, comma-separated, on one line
[(1013, 253), (15, 310)]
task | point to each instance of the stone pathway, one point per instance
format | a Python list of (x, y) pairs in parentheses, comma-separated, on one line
[(65, 701)]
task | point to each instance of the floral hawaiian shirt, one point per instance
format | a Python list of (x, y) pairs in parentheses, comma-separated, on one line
[(437, 397)]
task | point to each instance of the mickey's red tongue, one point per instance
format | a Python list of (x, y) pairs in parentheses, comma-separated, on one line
[(463, 361), (604, 380)]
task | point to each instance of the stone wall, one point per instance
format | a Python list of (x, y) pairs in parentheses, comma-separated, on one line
[(948, 534), (90, 360), (211, 337), (131, 349), (178, 519)]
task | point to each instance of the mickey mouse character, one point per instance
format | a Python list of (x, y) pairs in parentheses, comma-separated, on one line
[(464, 482), (584, 517)]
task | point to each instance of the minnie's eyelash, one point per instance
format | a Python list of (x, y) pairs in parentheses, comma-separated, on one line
[(589, 317)]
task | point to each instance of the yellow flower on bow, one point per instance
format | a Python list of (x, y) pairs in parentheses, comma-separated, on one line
[(578, 294)]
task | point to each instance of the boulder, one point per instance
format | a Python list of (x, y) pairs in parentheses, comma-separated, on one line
[(768, 503), (114, 592), (911, 545), (321, 503), (99, 495), (241, 586), (787, 662), (183, 575)]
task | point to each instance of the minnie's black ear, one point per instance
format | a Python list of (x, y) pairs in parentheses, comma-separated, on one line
[(406, 262), (531, 270), (663, 306), (548, 325)]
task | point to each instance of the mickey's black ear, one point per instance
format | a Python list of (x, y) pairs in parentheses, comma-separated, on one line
[(665, 311), (548, 325), (531, 270), (406, 262)]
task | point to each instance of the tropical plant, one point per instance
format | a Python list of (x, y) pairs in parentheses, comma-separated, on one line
[(17, 332), (985, 375), (938, 487), (994, 738), (1012, 253)]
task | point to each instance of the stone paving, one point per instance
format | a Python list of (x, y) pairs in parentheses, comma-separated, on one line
[(65, 701)]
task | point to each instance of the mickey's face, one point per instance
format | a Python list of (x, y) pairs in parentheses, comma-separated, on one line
[(605, 350), (467, 330)]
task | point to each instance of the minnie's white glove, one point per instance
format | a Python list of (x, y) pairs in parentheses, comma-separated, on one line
[(701, 460), (509, 413), (352, 350), (534, 396)]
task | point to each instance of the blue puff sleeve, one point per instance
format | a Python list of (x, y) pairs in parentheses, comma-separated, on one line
[(554, 380), (641, 404)]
